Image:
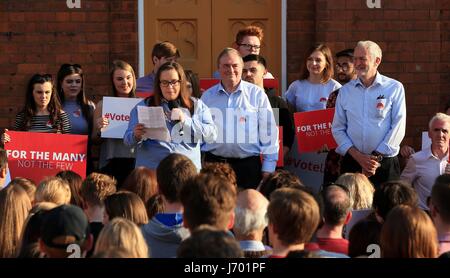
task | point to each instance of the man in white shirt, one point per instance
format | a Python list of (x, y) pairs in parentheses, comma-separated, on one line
[(425, 166)]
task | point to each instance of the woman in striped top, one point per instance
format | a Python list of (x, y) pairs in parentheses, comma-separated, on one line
[(42, 111)]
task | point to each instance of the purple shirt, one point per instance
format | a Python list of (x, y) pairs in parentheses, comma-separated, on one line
[(145, 83)]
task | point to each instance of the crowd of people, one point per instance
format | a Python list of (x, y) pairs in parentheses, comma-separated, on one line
[(214, 189)]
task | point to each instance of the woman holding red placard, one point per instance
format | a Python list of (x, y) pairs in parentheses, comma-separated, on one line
[(42, 111)]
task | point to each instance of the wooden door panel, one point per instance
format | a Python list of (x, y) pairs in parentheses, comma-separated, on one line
[(231, 15), (187, 24)]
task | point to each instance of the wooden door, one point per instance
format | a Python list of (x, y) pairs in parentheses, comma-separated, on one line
[(202, 28), (228, 16), (185, 23)]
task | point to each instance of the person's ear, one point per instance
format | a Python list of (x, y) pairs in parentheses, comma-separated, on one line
[(231, 221), (154, 60), (377, 61), (4, 172)]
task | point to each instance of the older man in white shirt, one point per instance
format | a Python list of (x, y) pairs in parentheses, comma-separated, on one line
[(425, 166)]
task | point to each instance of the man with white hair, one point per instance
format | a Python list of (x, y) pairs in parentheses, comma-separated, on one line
[(425, 166), (370, 119), (250, 222)]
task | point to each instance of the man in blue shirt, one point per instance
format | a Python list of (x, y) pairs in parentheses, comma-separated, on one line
[(370, 118), (162, 52), (245, 123)]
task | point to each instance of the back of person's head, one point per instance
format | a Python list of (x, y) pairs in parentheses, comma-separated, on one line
[(127, 205), (74, 181), (116, 253), (165, 49), (364, 233), (208, 199), (32, 227), (361, 190), (391, 194), (279, 179), (172, 173), (96, 187), (63, 226), (53, 190), (155, 205), (14, 208), (28, 185), (293, 214), (209, 242), (440, 198), (336, 201), (221, 169), (141, 181), (122, 234), (249, 31), (250, 213), (408, 232)]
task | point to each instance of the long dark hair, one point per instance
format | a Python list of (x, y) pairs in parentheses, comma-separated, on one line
[(184, 96), (86, 109), (195, 83), (30, 109)]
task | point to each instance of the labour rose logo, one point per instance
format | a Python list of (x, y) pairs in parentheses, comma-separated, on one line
[(49, 124), (77, 113), (323, 99), (380, 106)]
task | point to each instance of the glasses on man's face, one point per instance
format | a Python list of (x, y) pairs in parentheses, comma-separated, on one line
[(166, 83), (249, 46), (343, 67)]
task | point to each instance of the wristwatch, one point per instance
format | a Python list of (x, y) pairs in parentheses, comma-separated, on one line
[(378, 156)]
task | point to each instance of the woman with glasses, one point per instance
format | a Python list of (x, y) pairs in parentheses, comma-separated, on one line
[(312, 90), (192, 126), (116, 159), (70, 86), (42, 111)]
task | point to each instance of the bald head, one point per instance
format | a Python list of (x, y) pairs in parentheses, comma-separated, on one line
[(250, 215), (252, 200), (336, 205)]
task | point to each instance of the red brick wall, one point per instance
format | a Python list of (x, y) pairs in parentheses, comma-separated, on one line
[(39, 36), (413, 34)]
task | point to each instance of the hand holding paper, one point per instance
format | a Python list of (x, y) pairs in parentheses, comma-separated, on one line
[(153, 120)]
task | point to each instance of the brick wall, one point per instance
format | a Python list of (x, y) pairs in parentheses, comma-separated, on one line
[(414, 36), (39, 36)]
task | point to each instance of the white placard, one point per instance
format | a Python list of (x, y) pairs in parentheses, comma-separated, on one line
[(426, 141), (117, 110)]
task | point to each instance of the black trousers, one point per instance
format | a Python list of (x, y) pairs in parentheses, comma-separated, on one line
[(248, 170), (389, 169)]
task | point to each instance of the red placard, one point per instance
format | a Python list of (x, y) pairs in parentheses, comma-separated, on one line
[(206, 83), (313, 130), (37, 155), (280, 162), (144, 94)]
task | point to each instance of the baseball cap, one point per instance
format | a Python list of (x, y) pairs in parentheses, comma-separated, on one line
[(64, 225)]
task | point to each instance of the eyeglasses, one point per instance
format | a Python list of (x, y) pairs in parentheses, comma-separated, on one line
[(249, 46), (165, 83), (344, 67)]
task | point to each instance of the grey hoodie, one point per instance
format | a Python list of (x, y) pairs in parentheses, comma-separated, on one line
[(162, 240)]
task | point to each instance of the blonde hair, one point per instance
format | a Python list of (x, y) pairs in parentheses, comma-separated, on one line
[(123, 234), (53, 190), (408, 232), (14, 207), (360, 188)]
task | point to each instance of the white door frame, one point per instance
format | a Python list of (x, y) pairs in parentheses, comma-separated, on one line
[(141, 33)]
